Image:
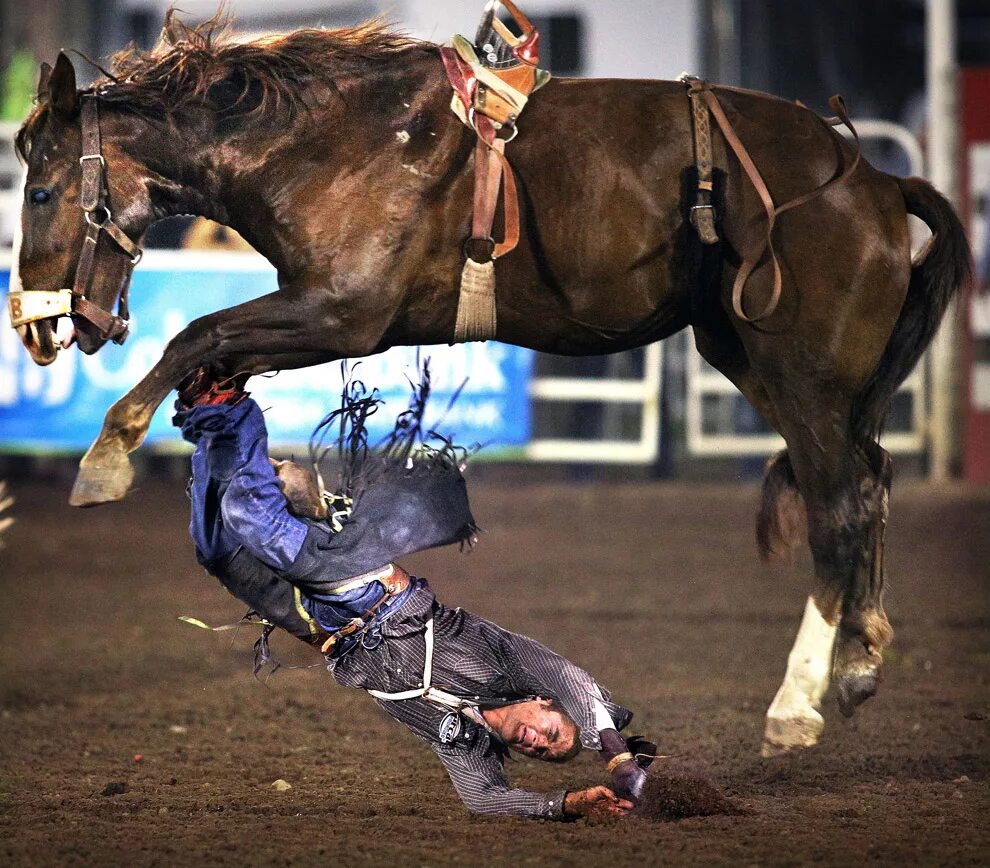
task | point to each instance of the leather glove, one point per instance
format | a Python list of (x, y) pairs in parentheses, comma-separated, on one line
[(628, 780)]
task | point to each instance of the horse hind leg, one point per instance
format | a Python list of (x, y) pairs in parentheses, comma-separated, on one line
[(864, 629), (793, 719), (844, 628)]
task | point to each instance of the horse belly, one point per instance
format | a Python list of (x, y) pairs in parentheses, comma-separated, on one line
[(602, 261)]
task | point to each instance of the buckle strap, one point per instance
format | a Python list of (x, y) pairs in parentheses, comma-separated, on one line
[(113, 328), (91, 196), (702, 212), (772, 210), (394, 580)]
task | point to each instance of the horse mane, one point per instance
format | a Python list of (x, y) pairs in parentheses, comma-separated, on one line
[(205, 63)]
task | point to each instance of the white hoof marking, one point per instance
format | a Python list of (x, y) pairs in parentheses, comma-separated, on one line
[(793, 720)]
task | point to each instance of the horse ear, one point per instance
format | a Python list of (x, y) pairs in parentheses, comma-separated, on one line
[(62, 90), (45, 74)]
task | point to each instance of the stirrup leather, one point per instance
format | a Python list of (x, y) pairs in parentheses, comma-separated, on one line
[(492, 80)]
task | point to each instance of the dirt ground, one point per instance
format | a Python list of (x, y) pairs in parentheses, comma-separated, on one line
[(130, 738)]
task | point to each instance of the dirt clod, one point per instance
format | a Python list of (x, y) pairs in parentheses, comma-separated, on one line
[(114, 788), (675, 797)]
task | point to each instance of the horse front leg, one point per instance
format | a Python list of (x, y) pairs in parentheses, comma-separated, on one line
[(277, 331)]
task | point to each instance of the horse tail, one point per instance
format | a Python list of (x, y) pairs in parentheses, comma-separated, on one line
[(937, 274), (780, 519)]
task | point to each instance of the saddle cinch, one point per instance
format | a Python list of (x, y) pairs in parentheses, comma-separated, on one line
[(492, 81)]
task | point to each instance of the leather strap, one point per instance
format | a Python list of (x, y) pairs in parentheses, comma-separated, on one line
[(703, 211), (457, 74), (492, 171), (93, 201), (772, 211), (394, 585)]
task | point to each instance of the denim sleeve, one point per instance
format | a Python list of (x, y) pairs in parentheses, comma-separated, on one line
[(253, 509)]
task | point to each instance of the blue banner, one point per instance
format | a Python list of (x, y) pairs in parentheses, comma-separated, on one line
[(60, 408)]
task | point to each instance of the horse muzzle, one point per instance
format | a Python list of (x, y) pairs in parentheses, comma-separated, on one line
[(92, 326), (35, 315), (39, 340)]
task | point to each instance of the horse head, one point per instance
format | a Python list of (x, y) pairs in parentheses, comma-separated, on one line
[(70, 206)]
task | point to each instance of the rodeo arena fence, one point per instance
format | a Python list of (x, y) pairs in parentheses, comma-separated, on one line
[(631, 408)]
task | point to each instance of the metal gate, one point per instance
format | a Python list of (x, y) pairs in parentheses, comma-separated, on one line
[(610, 394)]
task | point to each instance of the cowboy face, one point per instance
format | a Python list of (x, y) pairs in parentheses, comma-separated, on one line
[(537, 728)]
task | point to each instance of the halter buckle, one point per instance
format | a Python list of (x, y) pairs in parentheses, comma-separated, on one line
[(100, 157), (92, 221)]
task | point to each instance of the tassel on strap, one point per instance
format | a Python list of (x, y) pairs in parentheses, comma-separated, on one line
[(476, 305)]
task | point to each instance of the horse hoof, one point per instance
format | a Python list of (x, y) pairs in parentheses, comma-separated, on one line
[(785, 734), (101, 483), (854, 690)]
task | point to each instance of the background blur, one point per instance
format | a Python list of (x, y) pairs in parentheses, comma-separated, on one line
[(659, 411)]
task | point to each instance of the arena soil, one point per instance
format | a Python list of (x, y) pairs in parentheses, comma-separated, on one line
[(130, 738)]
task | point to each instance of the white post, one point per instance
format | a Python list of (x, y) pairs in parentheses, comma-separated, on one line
[(943, 169)]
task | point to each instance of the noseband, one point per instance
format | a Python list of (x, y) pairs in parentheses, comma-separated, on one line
[(33, 305)]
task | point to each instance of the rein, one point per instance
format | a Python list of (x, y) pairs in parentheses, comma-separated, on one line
[(30, 306)]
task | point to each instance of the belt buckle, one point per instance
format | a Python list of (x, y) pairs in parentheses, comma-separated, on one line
[(351, 626), (348, 629)]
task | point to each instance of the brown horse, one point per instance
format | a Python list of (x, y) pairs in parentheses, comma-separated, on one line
[(336, 154)]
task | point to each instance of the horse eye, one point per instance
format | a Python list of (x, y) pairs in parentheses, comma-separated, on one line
[(40, 196)]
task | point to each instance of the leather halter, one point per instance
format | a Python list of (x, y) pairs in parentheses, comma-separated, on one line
[(33, 305)]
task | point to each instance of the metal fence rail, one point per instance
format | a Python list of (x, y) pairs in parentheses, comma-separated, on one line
[(644, 391)]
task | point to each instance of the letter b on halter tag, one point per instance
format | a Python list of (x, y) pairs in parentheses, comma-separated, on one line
[(450, 727)]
